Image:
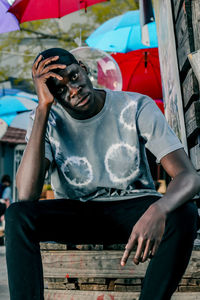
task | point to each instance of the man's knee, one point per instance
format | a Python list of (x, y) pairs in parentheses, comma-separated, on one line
[(12, 212), (15, 214)]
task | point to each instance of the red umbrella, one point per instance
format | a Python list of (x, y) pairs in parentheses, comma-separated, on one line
[(30, 10), (160, 104), (141, 71)]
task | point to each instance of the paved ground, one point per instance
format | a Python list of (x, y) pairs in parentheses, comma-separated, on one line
[(4, 294)]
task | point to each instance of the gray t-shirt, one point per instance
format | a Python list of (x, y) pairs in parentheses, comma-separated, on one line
[(103, 158)]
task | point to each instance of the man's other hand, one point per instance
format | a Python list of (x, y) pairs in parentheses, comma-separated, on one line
[(146, 234)]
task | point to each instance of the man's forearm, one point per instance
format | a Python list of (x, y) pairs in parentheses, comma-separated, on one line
[(31, 172), (180, 190)]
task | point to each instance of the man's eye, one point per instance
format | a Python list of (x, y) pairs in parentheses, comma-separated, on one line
[(75, 76), (60, 90)]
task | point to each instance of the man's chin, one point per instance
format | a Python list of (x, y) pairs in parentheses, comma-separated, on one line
[(76, 109)]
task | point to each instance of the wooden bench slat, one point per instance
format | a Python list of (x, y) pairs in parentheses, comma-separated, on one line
[(94, 295), (76, 264), (89, 264)]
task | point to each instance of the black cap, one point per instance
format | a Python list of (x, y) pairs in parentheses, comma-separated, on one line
[(65, 57)]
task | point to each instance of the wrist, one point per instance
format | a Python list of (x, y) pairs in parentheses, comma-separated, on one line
[(42, 113), (45, 104), (43, 107), (160, 208)]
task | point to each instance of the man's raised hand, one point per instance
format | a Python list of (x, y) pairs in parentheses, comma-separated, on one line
[(41, 72)]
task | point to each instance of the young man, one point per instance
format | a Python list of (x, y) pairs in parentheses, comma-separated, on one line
[(5, 189), (5, 197), (94, 143)]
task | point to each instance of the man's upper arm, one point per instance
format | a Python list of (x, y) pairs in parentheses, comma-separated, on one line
[(154, 129), (177, 162)]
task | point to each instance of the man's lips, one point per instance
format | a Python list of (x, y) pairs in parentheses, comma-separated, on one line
[(83, 101)]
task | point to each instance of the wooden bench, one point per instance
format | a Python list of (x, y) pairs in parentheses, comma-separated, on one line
[(93, 272)]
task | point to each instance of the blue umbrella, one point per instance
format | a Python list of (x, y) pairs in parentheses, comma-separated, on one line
[(15, 107), (122, 34)]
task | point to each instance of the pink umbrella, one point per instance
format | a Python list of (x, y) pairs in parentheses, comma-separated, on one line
[(30, 10), (8, 22)]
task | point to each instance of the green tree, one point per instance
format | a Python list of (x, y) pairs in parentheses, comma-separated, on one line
[(105, 11), (18, 48)]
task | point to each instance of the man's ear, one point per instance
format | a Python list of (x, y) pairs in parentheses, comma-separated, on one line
[(81, 64)]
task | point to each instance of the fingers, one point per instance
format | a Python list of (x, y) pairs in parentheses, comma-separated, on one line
[(138, 255), (155, 248), (51, 67), (35, 65), (51, 74), (128, 249), (147, 251), (125, 256), (39, 66)]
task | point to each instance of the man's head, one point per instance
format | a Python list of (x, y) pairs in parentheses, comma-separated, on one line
[(5, 180), (75, 91)]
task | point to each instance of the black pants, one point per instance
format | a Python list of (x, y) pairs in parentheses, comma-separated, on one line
[(2, 209), (28, 223)]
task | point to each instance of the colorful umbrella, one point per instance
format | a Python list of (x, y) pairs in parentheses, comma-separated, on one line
[(146, 17), (104, 71), (30, 10), (122, 34), (8, 22), (160, 104), (141, 72), (15, 108), (21, 120)]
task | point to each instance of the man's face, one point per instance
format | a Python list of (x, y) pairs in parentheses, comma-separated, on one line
[(75, 91)]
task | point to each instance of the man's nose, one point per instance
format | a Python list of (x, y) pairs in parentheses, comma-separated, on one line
[(74, 91)]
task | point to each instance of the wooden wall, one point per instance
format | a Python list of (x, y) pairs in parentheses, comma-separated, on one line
[(186, 15)]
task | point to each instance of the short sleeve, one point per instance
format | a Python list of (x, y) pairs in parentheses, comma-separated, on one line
[(48, 152), (160, 139)]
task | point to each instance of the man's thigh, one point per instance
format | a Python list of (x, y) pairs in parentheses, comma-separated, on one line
[(72, 221), (68, 221), (121, 216)]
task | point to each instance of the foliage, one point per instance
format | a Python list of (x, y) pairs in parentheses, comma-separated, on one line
[(105, 11), (18, 48)]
